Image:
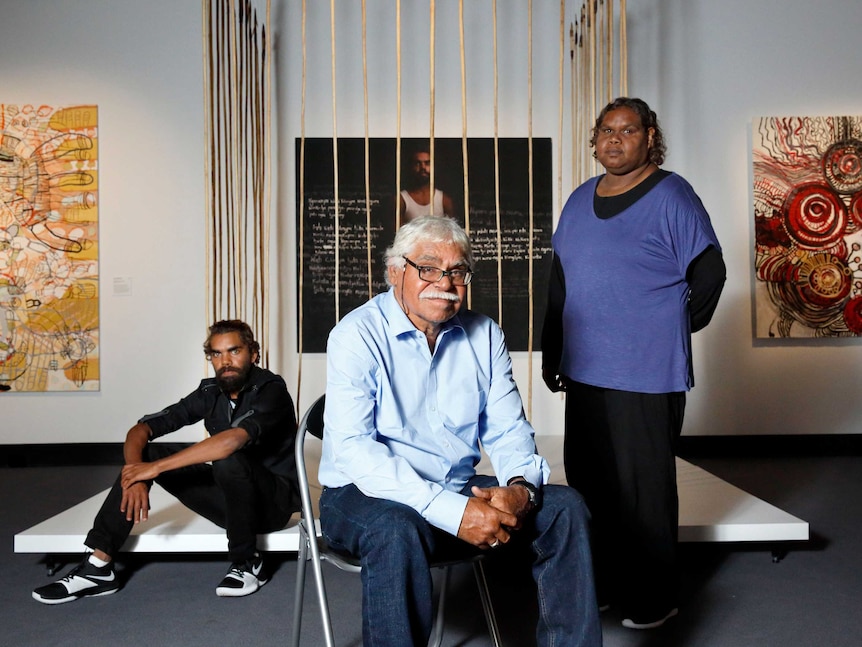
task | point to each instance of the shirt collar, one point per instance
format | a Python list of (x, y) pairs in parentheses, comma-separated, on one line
[(399, 323)]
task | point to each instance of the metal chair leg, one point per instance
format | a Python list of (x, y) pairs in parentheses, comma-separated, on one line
[(482, 583), (322, 600), (301, 562)]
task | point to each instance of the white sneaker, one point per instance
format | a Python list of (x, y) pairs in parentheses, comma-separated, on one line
[(84, 580), (631, 624), (243, 578)]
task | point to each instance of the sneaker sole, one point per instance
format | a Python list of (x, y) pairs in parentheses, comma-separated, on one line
[(239, 593), (72, 598)]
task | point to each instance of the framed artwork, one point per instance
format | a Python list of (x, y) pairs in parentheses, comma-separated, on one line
[(367, 221), (49, 291), (808, 226)]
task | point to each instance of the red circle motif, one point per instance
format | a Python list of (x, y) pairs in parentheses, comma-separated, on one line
[(815, 216), (856, 209), (842, 166), (824, 279), (853, 315)]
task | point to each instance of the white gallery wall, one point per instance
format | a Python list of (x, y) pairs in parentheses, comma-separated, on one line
[(707, 68), (140, 63)]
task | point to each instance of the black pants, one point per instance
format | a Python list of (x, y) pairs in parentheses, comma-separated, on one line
[(619, 453), (235, 493)]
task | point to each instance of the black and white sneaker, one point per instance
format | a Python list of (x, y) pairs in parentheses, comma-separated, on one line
[(243, 578), (84, 580)]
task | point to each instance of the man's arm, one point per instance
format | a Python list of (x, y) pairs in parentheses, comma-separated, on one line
[(504, 432), (508, 439), (136, 500), (352, 452), (449, 206), (400, 205), (213, 448)]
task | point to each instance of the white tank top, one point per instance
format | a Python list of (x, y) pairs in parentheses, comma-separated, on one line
[(414, 209)]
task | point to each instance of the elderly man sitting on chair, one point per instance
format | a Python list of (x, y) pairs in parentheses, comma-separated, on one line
[(415, 385)]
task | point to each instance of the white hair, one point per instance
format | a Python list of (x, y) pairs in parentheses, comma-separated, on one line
[(427, 229)]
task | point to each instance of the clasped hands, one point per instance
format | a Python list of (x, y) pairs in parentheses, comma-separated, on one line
[(492, 514)]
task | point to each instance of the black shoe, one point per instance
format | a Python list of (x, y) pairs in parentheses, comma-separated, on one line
[(84, 580), (243, 578)]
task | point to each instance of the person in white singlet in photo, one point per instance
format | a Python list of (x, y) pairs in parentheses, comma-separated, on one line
[(415, 199)]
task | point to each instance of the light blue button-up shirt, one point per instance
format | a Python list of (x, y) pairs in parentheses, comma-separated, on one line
[(406, 424)]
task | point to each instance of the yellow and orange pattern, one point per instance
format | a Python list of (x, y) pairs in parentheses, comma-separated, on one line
[(49, 289)]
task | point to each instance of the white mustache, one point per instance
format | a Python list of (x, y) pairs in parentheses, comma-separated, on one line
[(436, 294)]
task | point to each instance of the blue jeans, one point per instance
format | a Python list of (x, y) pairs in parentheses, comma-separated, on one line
[(396, 545)]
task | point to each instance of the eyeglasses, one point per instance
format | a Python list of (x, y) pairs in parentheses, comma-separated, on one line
[(434, 274)]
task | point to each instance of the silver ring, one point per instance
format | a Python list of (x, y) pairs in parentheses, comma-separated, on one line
[(495, 544)]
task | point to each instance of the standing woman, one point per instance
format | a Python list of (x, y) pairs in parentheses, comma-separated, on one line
[(637, 268)]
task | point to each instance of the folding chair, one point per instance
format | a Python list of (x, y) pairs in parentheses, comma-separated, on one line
[(314, 548)]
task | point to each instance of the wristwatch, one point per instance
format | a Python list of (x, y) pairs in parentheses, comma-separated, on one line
[(534, 493)]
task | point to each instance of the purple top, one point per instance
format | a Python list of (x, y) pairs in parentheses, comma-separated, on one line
[(626, 311)]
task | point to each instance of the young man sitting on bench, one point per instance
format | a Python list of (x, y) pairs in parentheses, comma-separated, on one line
[(242, 477)]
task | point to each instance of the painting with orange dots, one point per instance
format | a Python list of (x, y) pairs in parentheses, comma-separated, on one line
[(49, 254), (808, 226)]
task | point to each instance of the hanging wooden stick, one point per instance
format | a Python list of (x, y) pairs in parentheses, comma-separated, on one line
[(573, 110), (530, 228), (398, 114), (583, 94), (591, 22), (367, 156), (499, 231), (264, 290), (600, 49), (219, 180), (595, 32), (206, 11), (464, 155), (301, 215), (560, 107), (237, 67), (432, 57), (624, 52), (609, 21), (233, 163), (224, 179), (336, 223)]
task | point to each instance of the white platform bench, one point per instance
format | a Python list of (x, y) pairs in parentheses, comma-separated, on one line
[(171, 528), (710, 510)]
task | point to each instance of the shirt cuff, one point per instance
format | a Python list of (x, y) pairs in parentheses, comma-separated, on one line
[(446, 511)]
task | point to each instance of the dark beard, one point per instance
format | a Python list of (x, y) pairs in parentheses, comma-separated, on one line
[(232, 382)]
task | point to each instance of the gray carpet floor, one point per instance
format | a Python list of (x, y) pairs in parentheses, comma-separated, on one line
[(733, 596)]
